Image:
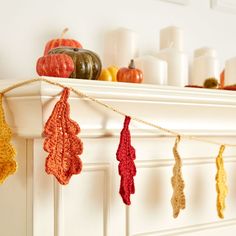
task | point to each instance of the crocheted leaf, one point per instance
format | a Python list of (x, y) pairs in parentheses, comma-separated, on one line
[(61, 142), (127, 170), (8, 164), (178, 197), (221, 187)]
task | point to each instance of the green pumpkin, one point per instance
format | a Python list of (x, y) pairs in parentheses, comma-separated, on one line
[(87, 63)]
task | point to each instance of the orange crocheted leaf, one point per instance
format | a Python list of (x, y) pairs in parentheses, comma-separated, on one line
[(8, 164), (62, 143), (127, 170)]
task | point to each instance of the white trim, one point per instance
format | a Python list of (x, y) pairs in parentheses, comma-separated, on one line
[(224, 5), (181, 2), (58, 209), (186, 230), (29, 186), (189, 110)]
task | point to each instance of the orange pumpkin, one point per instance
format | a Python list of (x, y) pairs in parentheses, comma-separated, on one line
[(54, 43), (130, 74), (56, 65), (222, 79)]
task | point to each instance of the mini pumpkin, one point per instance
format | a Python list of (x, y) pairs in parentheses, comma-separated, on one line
[(130, 74), (87, 63), (57, 65), (59, 42), (222, 79)]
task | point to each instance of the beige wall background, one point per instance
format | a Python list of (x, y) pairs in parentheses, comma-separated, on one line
[(26, 25)]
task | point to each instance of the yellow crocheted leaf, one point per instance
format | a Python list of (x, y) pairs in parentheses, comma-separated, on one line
[(8, 164), (221, 187), (178, 197)]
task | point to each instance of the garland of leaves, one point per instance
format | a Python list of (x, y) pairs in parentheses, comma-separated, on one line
[(64, 148)]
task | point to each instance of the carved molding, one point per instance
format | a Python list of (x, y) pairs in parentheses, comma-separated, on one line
[(191, 228), (182, 2), (224, 5), (187, 110)]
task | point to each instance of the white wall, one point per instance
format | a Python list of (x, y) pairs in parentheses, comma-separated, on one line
[(26, 25)]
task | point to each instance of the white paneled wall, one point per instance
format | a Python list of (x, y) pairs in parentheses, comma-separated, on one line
[(90, 204)]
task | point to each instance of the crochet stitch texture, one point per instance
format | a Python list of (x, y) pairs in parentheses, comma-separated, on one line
[(178, 197), (221, 179), (61, 142), (127, 170), (8, 164)]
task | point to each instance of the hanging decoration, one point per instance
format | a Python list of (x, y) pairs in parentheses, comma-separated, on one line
[(8, 164), (64, 148), (221, 187), (61, 142), (178, 197), (126, 156)]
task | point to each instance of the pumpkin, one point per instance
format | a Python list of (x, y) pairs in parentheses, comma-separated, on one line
[(87, 63), (222, 79), (57, 65), (54, 43), (109, 74), (130, 74)]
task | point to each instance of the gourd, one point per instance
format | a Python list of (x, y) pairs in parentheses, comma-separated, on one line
[(109, 74), (58, 42), (211, 83), (130, 74), (87, 64), (58, 65)]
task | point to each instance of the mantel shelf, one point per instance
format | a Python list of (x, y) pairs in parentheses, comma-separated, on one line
[(189, 110)]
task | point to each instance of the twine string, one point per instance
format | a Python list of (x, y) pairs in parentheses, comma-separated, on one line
[(95, 100)]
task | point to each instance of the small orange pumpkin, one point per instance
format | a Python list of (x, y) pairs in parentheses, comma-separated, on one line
[(222, 79), (130, 74)]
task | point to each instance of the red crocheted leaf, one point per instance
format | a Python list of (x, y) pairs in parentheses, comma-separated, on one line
[(61, 142), (127, 170)]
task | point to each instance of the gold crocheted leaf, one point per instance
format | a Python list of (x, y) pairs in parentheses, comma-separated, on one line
[(8, 164), (221, 187), (178, 197)]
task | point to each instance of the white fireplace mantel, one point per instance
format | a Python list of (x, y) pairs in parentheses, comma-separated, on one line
[(90, 204), (187, 110)]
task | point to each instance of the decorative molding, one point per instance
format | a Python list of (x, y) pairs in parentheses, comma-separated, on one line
[(153, 133), (59, 199), (191, 228), (181, 2), (197, 111), (29, 185), (224, 5), (127, 220), (186, 161), (104, 167), (42, 188)]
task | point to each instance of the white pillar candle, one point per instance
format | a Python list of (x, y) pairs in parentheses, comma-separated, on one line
[(177, 66), (171, 36), (230, 71), (154, 70), (205, 65), (120, 47)]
